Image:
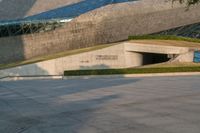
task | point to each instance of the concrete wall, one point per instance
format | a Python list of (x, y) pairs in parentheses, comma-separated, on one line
[(159, 49), (111, 57), (185, 57), (109, 24), (122, 55)]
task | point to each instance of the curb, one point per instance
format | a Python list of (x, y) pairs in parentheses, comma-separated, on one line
[(16, 78), (134, 75)]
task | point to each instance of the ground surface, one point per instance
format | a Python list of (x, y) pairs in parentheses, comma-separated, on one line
[(118, 105)]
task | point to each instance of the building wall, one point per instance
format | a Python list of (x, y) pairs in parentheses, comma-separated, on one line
[(109, 24)]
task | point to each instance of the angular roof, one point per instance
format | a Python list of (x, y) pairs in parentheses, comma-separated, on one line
[(17, 9), (49, 9)]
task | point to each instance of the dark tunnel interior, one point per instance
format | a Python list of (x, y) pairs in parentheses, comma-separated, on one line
[(154, 58)]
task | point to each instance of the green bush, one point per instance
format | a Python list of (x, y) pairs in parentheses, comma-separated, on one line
[(164, 37), (131, 71)]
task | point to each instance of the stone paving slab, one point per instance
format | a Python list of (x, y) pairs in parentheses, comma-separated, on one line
[(102, 105)]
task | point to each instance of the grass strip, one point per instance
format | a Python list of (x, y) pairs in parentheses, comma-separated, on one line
[(164, 37), (131, 71)]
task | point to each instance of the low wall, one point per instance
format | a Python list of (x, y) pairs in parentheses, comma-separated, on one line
[(111, 57), (109, 24)]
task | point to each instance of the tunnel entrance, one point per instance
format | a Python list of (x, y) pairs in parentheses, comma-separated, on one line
[(154, 58)]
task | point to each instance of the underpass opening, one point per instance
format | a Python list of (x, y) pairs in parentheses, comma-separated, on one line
[(154, 58)]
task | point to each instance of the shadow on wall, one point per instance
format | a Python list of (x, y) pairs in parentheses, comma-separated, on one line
[(9, 52), (10, 10)]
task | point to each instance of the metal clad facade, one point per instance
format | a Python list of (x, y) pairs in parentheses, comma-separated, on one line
[(197, 56)]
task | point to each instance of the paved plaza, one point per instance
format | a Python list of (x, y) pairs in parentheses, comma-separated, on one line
[(109, 105)]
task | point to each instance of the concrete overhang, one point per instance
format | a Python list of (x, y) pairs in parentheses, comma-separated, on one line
[(149, 48)]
